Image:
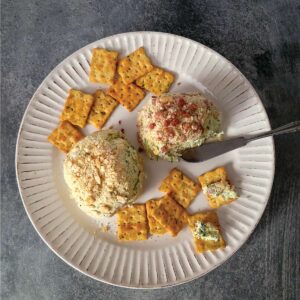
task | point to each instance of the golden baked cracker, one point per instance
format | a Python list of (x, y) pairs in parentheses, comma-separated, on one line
[(206, 245), (213, 176), (103, 66), (170, 215), (134, 66), (65, 136), (102, 108), (77, 108), (128, 95), (132, 223), (154, 226), (184, 189), (157, 81), (217, 175)]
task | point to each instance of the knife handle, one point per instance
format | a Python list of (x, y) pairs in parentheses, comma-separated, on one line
[(288, 128)]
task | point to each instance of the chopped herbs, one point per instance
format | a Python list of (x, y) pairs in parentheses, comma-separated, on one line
[(206, 231), (220, 188)]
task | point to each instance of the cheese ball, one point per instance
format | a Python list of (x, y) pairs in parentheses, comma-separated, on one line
[(104, 173), (169, 124)]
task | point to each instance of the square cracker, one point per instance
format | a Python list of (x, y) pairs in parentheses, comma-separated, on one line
[(65, 136), (102, 108), (132, 223), (103, 66), (134, 66), (183, 188), (205, 217), (128, 95), (217, 175), (154, 226), (157, 81), (170, 215), (77, 108)]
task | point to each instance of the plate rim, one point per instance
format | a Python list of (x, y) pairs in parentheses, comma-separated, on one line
[(167, 285)]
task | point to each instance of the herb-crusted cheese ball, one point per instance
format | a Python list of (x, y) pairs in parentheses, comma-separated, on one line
[(104, 172), (172, 123)]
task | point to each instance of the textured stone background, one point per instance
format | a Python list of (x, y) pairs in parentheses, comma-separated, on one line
[(260, 37)]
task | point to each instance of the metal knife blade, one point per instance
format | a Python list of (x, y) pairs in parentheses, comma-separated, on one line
[(214, 149)]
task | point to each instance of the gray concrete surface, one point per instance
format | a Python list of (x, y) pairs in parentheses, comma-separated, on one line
[(260, 37)]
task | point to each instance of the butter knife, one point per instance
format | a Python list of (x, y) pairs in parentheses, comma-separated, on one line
[(210, 150)]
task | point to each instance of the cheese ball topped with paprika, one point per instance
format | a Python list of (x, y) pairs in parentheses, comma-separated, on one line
[(169, 124)]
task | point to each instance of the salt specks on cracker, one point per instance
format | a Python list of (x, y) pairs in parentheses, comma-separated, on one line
[(157, 81), (128, 95), (65, 136), (202, 245), (183, 188), (77, 108), (154, 226), (170, 215), (132, 223), (103, 66), (102, 108), (134, 66)]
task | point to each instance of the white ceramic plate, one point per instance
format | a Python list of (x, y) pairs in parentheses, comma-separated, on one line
[(159, 261)]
